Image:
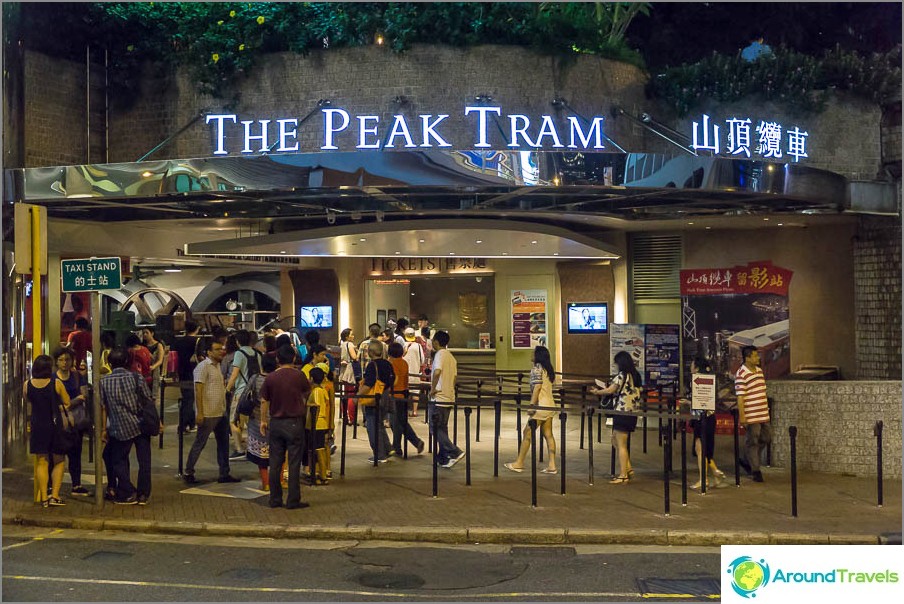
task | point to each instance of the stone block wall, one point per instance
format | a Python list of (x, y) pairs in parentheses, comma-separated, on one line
[(877, 297), (835, 423), (55, 111)]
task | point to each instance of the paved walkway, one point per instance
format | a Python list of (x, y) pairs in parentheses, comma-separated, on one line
[(394, 501)]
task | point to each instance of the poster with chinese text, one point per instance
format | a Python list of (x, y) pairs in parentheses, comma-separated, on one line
[(528, 318)]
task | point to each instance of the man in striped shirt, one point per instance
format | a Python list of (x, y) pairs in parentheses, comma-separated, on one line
[(750, 386)]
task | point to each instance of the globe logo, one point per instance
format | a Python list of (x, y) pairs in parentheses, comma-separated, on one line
[(748, 575)]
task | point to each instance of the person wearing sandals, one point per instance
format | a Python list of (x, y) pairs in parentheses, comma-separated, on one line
[(627, 385), (257, 449), (44, 393), (541, 376), (704, 425)]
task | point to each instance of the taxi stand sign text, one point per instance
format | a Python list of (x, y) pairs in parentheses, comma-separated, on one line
[(91, 274)]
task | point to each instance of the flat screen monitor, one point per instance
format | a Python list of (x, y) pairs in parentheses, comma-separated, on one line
[(588, 317), (316, 316)]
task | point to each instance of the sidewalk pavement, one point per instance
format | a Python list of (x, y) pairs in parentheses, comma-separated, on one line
[(394, 500)]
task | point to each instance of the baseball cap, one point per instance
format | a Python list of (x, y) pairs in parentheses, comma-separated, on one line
[(409, 334)]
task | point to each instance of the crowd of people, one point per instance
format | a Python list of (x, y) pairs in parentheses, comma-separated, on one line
[(271, 400)]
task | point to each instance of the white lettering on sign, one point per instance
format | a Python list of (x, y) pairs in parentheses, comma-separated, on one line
[(372, 133), (769, 142)]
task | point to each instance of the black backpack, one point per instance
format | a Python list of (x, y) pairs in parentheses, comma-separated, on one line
[(253, 365)]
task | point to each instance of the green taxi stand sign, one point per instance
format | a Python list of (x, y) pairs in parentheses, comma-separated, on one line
[(91, 274)]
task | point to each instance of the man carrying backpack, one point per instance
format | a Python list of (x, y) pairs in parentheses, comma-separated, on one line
[(245, 365)]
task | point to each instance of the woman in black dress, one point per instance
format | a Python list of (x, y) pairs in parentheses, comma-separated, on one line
[(45, 394)]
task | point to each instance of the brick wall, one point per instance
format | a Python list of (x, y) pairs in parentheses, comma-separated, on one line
[(877, 297), (55, 111), (835, 422)]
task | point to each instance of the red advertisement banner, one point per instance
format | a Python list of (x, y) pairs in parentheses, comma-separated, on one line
[(756, 278)]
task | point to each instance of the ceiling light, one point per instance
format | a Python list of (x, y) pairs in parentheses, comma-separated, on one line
[(282, 251), (690, 223), (397, 253), (505, 253), (451, 253), (147, 174), (172, 269), (781, 224), (362, 239), (534, 242), (766, 219), (479, 241), (555, 253), (708, 228), (421, 240)]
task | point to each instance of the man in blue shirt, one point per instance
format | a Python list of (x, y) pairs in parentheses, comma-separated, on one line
[(122, 393)]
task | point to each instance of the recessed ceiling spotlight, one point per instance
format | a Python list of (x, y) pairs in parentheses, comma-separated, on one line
[(781, 224), (555, 253), (708, 228), (505, 253), (363, 239), (690, 223), (397, 253), (766, 219), (534, 242), (421, 240), (479, 241), (282, 251), (451, 253)]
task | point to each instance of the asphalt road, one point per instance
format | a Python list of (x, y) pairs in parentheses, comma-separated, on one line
[(69, 565)]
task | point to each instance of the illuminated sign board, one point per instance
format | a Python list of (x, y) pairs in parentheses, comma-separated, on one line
[(424, 132), (427, 266), (771, 140)]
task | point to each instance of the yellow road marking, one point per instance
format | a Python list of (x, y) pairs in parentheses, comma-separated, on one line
[(33, 540), (303, 590)]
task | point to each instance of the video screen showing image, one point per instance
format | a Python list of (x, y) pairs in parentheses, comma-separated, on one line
[(588, 317), (316, 316)]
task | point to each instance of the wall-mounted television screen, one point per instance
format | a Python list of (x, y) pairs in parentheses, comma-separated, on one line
[(316, 316), (588, 317)]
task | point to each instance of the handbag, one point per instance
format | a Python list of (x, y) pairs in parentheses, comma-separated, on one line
[(610, 401), (65, 436), (248, 401), (80, 416), (148, 416)]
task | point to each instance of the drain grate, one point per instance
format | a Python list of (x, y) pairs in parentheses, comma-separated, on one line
[(107, 556), (672, 588), (247, 574), (390, 581)]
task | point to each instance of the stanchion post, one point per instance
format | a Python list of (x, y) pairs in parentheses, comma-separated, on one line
[(162, 395), (563, 417), (477, 427), (435, 449), (532, 424), (737, 447), (645, 431), (468, 446), (583, 418), (590, 445), (518, 418), (878, 432), (792, 433), (497, 413), (683, 428), (180, 433), (455, 418), (666, 455), (342, 457)]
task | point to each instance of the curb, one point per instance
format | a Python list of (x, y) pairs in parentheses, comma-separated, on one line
[(452, 535)]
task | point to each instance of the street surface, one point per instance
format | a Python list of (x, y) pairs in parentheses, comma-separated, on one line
[(56, 565)]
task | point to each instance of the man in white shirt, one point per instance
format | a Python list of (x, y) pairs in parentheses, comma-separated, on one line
[(442, 397), (414, 356)]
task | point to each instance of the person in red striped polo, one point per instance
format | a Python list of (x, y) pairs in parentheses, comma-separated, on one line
[(750, 386)]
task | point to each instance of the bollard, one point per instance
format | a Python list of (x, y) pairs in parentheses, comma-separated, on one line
[(342, 457), (583, 406), (683, 462), (497, 413), (468, 446), (737, 447), (358, 410), (563, 417), (477, 428), (590, 445), (518, 419), (666, 455), (433, 425), (180, 432), (792, 432), (162, 394), (878, 432), (644, 432), (532, 424)]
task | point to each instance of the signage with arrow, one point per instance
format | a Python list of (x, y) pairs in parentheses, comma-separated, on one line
[(703, 391)]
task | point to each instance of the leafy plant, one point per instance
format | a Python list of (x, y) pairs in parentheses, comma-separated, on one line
[(800, 82)]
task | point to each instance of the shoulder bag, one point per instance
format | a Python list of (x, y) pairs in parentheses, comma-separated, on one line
[(610, 401)]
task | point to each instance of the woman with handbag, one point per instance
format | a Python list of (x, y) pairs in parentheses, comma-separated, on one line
[(349, 374), (48, 442), (626, 385), (542, 375), (77, 390)]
